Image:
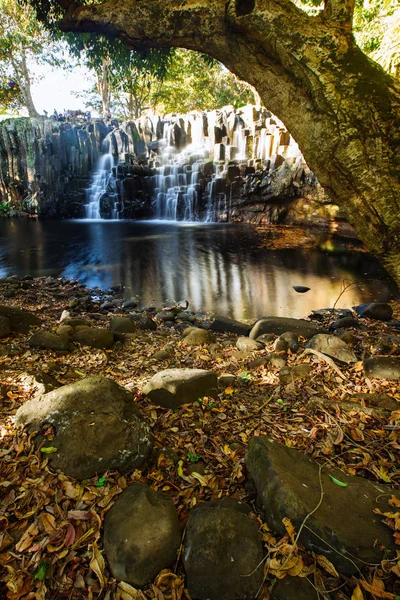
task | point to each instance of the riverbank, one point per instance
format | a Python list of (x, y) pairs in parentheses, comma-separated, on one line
[(330, 410)]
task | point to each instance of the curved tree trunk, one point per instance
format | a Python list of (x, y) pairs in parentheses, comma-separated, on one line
[(341, 107)]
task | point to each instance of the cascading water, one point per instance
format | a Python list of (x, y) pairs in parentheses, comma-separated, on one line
[(102, 183)]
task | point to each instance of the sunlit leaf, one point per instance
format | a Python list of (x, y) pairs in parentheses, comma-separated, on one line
[(337, 482), (48, 449), (101, 481)]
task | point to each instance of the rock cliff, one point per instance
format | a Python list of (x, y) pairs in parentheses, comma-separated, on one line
[(45, 165), (226, 165)]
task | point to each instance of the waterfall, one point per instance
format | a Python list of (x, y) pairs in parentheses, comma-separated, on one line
[(103, 183)]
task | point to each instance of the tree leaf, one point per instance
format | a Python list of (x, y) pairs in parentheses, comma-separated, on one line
[(97, 564), (339, 483), (42, 570), (48, 449)]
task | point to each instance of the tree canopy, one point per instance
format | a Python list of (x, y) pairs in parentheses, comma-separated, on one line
[(341, 107)]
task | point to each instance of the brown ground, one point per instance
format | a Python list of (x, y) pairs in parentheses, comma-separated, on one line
[(50, 553)]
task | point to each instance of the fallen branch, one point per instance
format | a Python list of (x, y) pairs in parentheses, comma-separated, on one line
[(328, 360)]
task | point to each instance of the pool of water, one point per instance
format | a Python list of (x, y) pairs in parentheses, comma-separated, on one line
[(228, 269)]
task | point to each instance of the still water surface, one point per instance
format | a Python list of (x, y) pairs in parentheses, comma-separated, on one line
[(217, 267)]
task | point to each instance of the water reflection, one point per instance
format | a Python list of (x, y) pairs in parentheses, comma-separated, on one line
[(215, 267)]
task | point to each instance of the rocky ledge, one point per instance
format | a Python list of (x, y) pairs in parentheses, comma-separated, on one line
[(157, 452)]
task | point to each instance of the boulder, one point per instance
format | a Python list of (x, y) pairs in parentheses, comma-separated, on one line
[(97, 427), (173, 387), (294, 588), (5, 326), (379, 311), (222, 556), (382, 367), (280, 325), (95, 337), (287, 483), (292, 340), (21, 320), (227, 325), (197, 337), (344, 323), (143, 322), (141, 535), (122, 325), (247, 344), (332, 346), (49, 341)]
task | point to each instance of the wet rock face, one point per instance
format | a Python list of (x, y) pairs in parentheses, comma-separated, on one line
[(61, 157), (96, 427)]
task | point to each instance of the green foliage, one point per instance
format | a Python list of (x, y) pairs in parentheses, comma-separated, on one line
[(193, 81), (4, 208), (244, 376), (192, 457)]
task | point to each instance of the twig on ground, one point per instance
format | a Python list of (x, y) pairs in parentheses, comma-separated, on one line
[(328, 360)]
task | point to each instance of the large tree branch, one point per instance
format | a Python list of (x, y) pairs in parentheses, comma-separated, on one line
[(340, 12), (341, 107)]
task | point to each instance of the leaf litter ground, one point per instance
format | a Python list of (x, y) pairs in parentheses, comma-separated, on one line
[(51, 525)]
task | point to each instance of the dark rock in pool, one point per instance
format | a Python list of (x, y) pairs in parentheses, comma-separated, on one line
[(280, 325), (222, 556), (141, 534), (382, 367), (379, 311), (288, 485), (97, 427), (227, 325)]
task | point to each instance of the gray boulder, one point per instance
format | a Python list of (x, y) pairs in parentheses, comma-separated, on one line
[(144, 322), (5, 326), (280, 325), (96, 337), (173, 387), (379, 311), (227, 325), (97, 427), (294, 588), (247, 344), (141, 535), (332, 346), (50, 341), (287, 483), (21, 320), (382, 367), (122, 325), (197, 337), (222, 554)]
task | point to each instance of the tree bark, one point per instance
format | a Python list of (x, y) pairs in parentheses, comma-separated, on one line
[(22, 76), (341, 107), (103, 87)]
